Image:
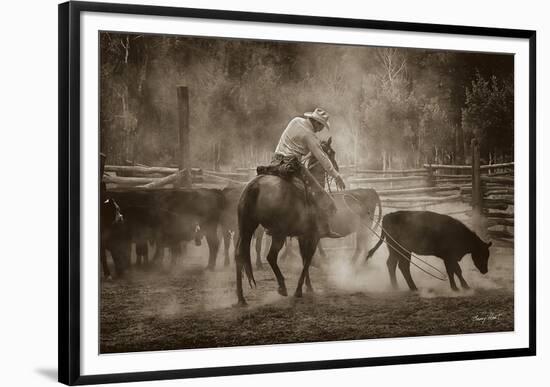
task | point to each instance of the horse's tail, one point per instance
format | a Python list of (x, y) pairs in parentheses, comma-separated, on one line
[(246, 204), (373, 250), (248, 270)]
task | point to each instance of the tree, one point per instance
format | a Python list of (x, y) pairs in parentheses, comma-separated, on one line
[(489, 115)]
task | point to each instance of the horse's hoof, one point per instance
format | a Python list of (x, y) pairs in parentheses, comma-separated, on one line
[(259, 266), (209, 268), (109, 278), (282, 292), (310, 291), (240, 304), (226, 263), (298, 295)]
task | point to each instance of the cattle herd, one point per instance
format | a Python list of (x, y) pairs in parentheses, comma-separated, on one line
[(160, 219), (168, 218)]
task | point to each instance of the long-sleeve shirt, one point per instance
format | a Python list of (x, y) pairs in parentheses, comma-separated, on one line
[(298, 139)]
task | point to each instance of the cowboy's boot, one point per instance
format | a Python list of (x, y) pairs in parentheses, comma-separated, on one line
[(323, 226)]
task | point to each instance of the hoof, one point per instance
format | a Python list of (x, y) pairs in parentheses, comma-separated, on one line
[(209, 268), (108, 278), (310, 290), (282, 292), (298, 294), (226, 263)]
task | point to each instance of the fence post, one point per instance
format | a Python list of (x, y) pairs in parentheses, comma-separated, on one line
[(184, 148), (430, 177), (477, 193), (102, 185)]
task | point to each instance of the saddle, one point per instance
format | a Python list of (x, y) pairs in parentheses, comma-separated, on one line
[(282, 166)]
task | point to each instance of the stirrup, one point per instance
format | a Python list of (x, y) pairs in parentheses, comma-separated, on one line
[(329, 234)]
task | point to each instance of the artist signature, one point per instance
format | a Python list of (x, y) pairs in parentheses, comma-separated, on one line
[(483, 318)]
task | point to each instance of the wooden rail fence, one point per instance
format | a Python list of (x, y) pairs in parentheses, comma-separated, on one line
[(482, 193)]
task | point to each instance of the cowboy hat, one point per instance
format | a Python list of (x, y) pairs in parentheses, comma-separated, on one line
[(319, 115)]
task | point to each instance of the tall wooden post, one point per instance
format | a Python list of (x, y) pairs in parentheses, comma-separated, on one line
[(477, 192), (430, 179), (102, 186), (184, 160)]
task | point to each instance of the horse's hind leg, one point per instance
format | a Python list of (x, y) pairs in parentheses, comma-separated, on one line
[(276, 244), (307, 249), (259, 236)]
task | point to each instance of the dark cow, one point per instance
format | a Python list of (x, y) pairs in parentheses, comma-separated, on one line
[(168, 217), (111, 221), (430, 233)]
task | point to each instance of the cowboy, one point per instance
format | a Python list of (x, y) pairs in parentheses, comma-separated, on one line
[(297, 141)]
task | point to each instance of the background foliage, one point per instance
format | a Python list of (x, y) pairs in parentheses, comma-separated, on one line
[(389, 107)]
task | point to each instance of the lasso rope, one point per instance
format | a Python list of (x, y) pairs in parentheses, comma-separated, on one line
[(444, 276)]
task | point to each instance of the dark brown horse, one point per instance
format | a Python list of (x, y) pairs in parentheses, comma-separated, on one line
[(355, 208), (318, 172), (282, 207)]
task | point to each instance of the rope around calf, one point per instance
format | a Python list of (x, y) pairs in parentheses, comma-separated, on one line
[(444, 276)]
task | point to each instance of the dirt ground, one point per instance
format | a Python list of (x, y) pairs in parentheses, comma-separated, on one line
[(183, 306)]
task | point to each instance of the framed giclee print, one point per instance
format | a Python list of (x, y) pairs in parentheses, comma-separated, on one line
[(250, 193)]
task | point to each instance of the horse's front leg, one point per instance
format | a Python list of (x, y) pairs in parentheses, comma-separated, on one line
[(308, 244), (276, 244)]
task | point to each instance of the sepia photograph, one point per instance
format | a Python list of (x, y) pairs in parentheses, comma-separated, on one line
[(261, 192)]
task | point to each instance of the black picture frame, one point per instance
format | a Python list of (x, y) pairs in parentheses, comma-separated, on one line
[(70, 190)]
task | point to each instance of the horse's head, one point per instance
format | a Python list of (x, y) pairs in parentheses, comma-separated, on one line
[(326, 146)]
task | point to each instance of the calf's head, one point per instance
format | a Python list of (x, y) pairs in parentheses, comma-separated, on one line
[(480, 256)]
